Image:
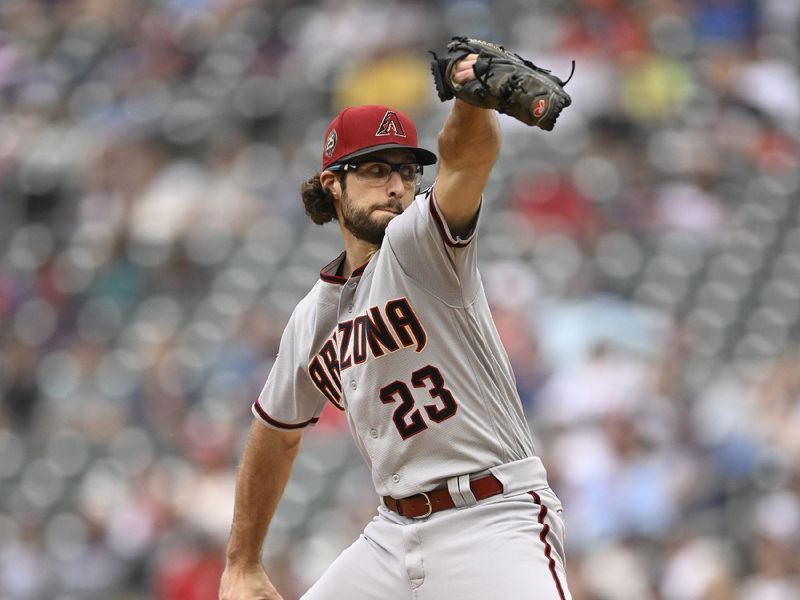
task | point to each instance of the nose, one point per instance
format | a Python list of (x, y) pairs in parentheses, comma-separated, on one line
[(395, 184)]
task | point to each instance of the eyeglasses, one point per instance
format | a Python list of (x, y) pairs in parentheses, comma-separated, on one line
[(379, 172)]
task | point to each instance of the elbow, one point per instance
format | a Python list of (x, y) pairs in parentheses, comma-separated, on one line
[(290, 441), (286, 442)]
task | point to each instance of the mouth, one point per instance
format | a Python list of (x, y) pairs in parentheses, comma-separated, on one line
[(388, 210)]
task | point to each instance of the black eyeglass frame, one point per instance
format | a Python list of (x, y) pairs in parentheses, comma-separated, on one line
[(395, 168)]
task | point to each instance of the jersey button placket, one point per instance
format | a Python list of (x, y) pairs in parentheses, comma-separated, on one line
[(373, 433), (396, 478), (353, 384)]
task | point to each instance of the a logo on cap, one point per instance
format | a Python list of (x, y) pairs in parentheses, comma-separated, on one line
[(391, 125), (330, 143)]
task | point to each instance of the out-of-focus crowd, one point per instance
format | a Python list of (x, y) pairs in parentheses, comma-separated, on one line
[(642, 262)]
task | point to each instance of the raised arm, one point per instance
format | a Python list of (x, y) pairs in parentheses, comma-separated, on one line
[(264, 470), (468, 147)]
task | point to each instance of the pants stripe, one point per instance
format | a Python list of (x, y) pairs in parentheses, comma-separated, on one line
[(548, 549)]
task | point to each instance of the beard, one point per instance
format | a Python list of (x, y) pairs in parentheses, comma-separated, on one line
[(363, 224)]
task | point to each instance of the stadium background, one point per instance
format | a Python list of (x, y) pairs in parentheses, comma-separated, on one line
[(642, 261)]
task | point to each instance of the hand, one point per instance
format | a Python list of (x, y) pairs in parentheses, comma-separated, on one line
[(497, 79), (462, 71), (246, 584)]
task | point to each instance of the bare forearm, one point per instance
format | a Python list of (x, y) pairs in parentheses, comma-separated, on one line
[(265, 468), (468, 147), (470, 138)]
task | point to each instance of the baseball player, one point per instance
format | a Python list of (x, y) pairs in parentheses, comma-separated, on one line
[(397, 333)]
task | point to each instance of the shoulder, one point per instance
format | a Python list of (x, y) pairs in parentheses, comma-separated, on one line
[(304, 313)]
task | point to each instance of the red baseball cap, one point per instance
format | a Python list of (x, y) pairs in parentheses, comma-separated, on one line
[(360, 130)]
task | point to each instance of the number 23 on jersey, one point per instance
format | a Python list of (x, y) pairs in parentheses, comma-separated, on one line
[(407, 417)]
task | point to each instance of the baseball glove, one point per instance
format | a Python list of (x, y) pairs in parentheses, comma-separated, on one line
[(503, 81)]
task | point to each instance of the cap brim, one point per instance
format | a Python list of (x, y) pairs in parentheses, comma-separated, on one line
[(424, 157)]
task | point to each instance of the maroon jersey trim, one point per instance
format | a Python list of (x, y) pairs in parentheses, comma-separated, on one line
[(280, 424), (332, 278), (444, 230), (327, 277), (338, 279)]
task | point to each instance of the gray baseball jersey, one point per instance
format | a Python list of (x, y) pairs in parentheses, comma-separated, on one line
[(407, 348)]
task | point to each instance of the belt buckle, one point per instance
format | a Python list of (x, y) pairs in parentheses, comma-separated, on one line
[(430, 507)]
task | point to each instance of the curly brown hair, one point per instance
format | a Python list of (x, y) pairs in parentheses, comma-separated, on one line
[(318, 200)]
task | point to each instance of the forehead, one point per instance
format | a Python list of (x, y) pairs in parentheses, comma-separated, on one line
[(394, 156)]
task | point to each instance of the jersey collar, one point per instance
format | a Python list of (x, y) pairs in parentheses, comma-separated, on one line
[(328, 274)]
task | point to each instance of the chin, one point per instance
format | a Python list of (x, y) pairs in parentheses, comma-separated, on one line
[(383, 220)]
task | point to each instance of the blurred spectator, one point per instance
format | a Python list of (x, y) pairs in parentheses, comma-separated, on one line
[(699, 568), (187, 570), (733, 21), (552, 204), (24, 567), (690, 207), (401, 80), (654, 87), (20, 389), (779, 406)]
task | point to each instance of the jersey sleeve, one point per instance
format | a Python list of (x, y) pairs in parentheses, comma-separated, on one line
[(427, 251), (289, 399)]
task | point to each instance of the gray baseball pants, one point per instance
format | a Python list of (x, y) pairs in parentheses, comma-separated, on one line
[(503, 548)]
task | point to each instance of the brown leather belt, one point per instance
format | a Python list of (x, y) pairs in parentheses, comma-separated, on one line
[(425, 504)]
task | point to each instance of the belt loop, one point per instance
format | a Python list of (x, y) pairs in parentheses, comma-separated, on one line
[(466, 491), (455, 493)]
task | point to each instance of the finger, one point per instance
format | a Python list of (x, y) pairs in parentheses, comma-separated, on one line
[(465, 65), (463, 71)]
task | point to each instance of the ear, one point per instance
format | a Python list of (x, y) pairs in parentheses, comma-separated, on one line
[(330, 182)]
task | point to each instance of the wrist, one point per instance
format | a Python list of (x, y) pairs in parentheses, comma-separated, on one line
[(238, 561)]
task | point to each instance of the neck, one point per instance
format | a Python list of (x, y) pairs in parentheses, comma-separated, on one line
[(357, 252)]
